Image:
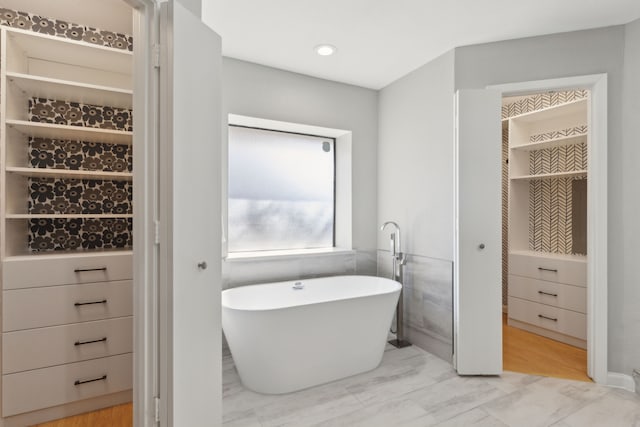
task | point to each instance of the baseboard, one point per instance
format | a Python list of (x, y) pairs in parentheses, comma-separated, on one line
[(615, 379), (505, 308)]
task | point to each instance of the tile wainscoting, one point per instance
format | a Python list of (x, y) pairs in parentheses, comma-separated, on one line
[(428, 301)]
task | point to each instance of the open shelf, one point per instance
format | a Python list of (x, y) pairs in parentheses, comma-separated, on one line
[(74, 133), (66, 51), (67, 216), (66, 254), (541, 145), (553, 112), (73, 174), (553, 255), (65, 90), (570, 174)]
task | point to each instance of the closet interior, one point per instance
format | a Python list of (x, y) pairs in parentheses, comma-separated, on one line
[(66, 214), (545, 176)]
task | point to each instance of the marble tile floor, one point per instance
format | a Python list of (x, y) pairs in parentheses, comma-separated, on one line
[(414, 388)]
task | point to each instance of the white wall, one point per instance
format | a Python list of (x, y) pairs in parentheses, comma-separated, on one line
[(570, 54), (415, 159), (258, 91), (631, 196)]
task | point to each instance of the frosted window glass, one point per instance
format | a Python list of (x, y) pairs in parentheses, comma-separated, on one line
[(281, 190)]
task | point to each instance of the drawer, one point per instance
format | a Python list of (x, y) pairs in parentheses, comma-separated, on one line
[(549, 293), (567, 322), (571, 271), (56, 305), (43, 347), (51, 270), (43, 388)]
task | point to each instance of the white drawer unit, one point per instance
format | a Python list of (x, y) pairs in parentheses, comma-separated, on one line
[(555, 294), (43, 388), (567, 269), (61, 305), (50, 270), (44, 347), (559, 320)]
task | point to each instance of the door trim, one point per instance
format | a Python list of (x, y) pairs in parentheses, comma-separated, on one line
[(597, 286), (145, 213)]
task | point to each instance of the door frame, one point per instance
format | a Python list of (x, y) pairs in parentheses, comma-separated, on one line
[(145, 214), (597, 286)]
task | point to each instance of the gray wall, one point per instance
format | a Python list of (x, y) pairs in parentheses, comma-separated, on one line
[(195, 6), (415, 155), (570, 54), (415, 189), (631, 197), (268, 93)]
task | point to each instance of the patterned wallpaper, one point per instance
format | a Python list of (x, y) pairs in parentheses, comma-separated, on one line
[(540, 101), (62, 234), (550, 200), (77, 114), (79, 196), (67, 30)]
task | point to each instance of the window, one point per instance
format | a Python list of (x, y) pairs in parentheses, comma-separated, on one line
[(281, 190)]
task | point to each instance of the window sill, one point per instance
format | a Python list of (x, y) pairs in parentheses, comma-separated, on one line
[(286, 254)]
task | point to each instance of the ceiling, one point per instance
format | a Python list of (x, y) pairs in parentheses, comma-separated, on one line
[(379, 41)]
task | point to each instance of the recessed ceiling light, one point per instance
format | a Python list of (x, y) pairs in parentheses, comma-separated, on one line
[(325, 50)]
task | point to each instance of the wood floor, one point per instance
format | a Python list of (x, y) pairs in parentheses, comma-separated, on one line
[(116, 416), (533, 354)]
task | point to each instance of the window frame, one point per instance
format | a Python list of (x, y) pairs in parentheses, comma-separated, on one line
[(333, 247)]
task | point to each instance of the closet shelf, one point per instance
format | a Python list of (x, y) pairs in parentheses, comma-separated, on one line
[(570, 174), (65, 90), (553, 112), (66, 51), (73, 174), (562, 141), (74, 133), (69, 216), (86, 253)]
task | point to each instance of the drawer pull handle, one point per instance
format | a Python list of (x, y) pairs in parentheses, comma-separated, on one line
[(554, 270), (102, 378), (82, 270), (78, 304), (90, 342), (547, 293), (548, 318)]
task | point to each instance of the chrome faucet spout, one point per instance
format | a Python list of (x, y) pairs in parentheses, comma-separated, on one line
[(396, 249)]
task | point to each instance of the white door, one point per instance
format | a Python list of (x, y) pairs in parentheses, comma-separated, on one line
[(190, 277), (478, 233)]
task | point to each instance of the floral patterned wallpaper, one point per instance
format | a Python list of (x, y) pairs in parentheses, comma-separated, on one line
[(77, 114), (62, 234), (68, 30), (79, 196)]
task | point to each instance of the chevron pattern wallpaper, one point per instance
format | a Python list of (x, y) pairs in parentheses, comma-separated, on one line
[(540, 101), (550, 200), (505, 212)]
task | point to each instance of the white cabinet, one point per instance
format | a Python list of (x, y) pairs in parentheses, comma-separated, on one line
[(65, 220)]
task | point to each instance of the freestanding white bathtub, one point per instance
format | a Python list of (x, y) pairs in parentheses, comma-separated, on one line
[(284, 339)]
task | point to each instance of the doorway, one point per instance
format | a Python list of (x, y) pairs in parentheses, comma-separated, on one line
[(544, 148), (477, 284)]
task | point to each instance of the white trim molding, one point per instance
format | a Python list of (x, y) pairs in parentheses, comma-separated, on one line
[(597, 285), (618, 380)]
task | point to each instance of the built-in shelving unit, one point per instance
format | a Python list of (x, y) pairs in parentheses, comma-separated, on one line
[(65, 191), (546, 286)]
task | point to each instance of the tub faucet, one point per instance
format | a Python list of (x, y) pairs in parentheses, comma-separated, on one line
[(396, 250), (399, 260)]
